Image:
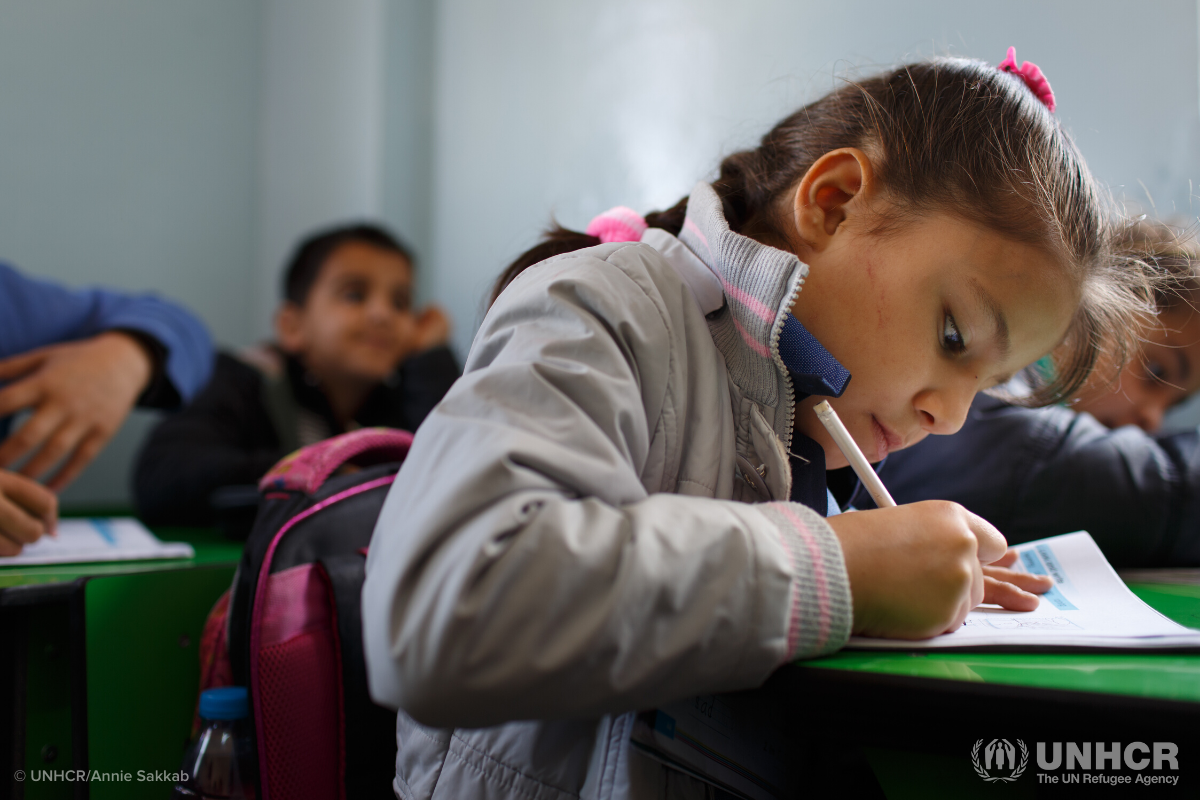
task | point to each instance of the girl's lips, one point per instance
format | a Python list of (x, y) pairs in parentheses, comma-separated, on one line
[(886, 439)]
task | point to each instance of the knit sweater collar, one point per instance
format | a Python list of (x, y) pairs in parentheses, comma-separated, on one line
[(760, 284)]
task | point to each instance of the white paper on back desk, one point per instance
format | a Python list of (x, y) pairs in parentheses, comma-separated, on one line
[(100, 539), (1089, 606)]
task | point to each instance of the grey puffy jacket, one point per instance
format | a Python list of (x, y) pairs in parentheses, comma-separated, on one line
[(590, 523)]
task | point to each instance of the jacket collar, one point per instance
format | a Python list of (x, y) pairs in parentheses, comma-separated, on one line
[(769, 353)]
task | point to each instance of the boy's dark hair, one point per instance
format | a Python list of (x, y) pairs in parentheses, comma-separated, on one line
[(312, 253), (946, 135)]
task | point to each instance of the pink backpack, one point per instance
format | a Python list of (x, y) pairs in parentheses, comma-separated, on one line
[(291, 631)]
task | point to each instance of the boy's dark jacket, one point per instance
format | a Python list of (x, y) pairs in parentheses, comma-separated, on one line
[(256, 409)]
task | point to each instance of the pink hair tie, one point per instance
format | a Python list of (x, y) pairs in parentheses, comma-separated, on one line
[(1032, 75), (618, 224)]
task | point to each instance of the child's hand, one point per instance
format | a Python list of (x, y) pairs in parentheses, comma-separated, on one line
[(80, 393), (916, 570), (432, 329), (28, 510), (1008, 583)]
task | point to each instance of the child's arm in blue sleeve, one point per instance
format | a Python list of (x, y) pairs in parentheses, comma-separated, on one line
[(35, 313)]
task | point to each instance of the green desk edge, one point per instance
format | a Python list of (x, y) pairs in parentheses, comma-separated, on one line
[(144, 620), (211, 549), (1164, 676)]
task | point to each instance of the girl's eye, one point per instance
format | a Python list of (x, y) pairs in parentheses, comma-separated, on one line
[(952, 339), (353, 296), (1155, 372)]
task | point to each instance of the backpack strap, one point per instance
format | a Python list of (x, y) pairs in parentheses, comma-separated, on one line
[(307, 470)]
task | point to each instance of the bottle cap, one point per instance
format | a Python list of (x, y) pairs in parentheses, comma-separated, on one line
[(228, 702)]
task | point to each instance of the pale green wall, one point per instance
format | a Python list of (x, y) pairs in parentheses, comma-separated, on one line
[(183, 145), (569, 108), (127, 157)]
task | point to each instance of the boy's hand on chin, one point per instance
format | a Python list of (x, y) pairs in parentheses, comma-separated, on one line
[(917, 570), (432, 329)]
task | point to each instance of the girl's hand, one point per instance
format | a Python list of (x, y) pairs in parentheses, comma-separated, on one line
[(1014, 587), (916, 570)]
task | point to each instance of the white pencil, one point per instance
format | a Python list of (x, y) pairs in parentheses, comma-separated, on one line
[(849, 448)]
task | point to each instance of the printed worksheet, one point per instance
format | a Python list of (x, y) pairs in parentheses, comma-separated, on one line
[(100, 539), (1088, 606)]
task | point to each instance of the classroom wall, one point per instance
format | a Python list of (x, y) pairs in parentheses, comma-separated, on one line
[(128, 151), (320, 137), (568, 108), (183, 145)]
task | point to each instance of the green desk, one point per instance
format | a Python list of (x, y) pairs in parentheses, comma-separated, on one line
[(99, 668), (918, 714)]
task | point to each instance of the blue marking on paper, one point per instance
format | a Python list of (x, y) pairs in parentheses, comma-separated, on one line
[(1033, 560), (105, 530), (664, 724)]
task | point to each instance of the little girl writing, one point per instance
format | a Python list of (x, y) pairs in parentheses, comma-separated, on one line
[(623, 501)]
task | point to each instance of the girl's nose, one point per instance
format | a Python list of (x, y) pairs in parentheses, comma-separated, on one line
[(944, 410)]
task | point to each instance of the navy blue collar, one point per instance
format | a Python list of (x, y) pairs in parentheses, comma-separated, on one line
[(814, 369)]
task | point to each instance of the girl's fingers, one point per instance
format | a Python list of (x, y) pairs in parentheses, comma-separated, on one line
[(1037, 584), (992, 544), (1007, 560), (977, 587), (1006, 595)]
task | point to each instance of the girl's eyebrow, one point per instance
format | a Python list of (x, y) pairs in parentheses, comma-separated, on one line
[(999, 321)]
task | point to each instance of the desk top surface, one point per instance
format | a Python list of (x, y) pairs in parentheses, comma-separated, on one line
[(211, 547), (1163, 676)]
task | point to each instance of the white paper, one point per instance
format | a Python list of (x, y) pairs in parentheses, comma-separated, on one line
[(1089, 606), (84, 540)]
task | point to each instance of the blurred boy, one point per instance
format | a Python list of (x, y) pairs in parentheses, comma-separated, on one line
[(349, 352)]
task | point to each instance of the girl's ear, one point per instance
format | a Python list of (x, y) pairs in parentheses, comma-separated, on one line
[(824, 197), (289, 327)]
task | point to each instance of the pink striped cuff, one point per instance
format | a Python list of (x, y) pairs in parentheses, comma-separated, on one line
[(821, 606)]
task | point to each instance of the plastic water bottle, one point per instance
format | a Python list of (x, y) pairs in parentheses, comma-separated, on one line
[(219, 764)]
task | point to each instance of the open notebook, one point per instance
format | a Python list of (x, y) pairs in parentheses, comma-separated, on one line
[(1089, 606), (83, 540)]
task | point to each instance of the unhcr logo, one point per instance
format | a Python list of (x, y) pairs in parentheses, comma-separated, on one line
[(998, 761)]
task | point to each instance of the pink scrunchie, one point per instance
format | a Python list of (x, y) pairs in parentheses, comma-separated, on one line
[(618, 224), (1032, 75)]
